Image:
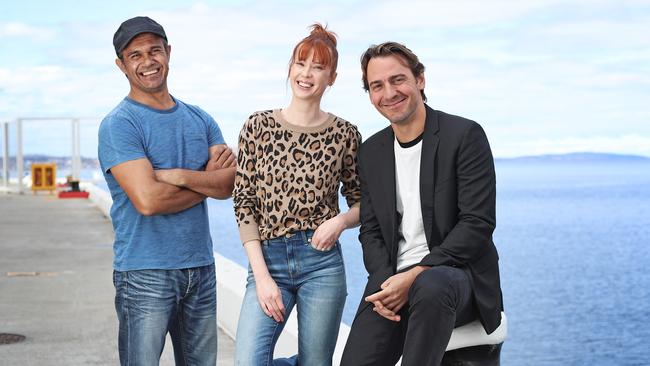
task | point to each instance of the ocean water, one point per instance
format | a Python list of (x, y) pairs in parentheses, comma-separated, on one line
[(574, 246), (574, 241)]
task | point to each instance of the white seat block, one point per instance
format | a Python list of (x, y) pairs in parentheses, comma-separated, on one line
[(473, 334)]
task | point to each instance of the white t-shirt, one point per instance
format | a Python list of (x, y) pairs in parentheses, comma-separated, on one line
[(413, 243)]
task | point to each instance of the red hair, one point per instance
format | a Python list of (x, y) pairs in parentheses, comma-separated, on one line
[(322, 42)]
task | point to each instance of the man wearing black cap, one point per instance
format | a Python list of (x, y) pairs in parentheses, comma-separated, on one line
[(161, 158)]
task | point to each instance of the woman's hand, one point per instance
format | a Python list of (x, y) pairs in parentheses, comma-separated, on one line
[(268, 293), (328, 233), (270, 298)]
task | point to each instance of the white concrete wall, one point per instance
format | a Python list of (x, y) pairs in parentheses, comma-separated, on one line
[(99, 197)]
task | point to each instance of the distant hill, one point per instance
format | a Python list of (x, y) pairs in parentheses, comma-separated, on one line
[(62, 162), (92, 163), (578, 157)]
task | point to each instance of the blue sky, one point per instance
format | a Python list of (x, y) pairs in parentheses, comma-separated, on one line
[(540, 76)]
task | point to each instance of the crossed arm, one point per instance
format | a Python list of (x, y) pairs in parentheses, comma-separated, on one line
[(215, 181), (155, 193)]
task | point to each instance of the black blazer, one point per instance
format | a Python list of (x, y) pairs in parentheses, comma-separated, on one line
[(458, 194)]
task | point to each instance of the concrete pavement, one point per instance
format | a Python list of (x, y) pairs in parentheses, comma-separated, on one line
[(56, 284)]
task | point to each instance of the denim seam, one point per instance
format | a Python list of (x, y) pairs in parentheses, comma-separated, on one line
[(125, 297), (272, 345), (189, 282), (286, 252)]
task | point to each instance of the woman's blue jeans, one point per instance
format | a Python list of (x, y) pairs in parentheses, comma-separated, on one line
[(152, 302), (312, 280)]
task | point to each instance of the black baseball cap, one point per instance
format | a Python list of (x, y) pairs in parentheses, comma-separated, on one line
[(131, 28)]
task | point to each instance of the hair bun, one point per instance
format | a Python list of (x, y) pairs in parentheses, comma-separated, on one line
[(318, 31), (320, 42)]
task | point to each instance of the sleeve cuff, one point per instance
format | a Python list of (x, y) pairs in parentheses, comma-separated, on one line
[(248, 232)]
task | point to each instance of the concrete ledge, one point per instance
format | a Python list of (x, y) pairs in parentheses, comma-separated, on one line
[(99, 197)]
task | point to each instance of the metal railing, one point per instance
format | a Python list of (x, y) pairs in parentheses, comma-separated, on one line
[(17, 185)]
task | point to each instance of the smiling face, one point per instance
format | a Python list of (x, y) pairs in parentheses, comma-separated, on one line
[(145, 61), (394, 90), (309, 77)]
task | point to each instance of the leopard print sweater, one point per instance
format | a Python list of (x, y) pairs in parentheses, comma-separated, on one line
[(288, 176)]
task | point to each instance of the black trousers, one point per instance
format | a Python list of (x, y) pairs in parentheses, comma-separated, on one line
[(439, 300)]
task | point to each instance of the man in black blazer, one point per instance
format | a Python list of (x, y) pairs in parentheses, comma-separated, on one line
[(427, 217)]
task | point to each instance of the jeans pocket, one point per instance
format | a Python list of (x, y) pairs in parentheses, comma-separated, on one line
[(119, 281), (309, 243)]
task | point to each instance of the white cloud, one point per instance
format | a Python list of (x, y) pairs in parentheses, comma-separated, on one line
[(431, 16), (18, 29), (485, 61), (28, 77), (606, 33), (54, 90)]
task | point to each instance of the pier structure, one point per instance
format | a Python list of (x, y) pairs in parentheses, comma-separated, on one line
[(12, 133)]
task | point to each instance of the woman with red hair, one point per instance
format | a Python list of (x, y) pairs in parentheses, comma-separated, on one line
[(291, 162)]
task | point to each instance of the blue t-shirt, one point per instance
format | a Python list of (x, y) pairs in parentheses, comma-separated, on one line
[(178, 137)]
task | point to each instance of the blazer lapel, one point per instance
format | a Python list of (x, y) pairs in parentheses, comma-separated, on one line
[(385, 178), (428, 170)]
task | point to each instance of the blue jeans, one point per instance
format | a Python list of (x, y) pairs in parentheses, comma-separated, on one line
[(312, 280), (152, 302)]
